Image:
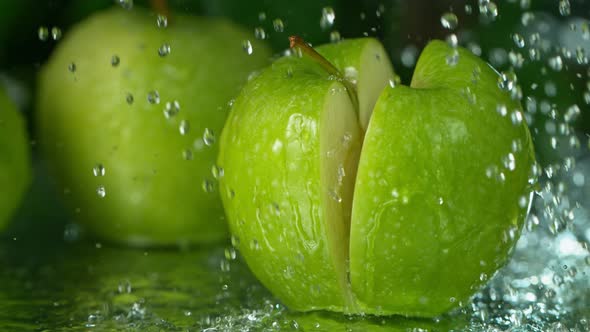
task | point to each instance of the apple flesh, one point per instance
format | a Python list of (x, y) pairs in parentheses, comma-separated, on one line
[(15, 169), (128, 115), (404, 203)]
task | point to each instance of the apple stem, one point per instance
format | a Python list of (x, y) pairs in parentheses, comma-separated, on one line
[(161, 8), (296, 42)]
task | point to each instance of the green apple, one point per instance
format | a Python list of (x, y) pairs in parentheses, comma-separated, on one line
[(348, 192), (129, 107), (15, 169)]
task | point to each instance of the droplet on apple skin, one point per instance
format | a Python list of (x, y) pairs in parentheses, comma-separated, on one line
[(99, 170), (164, 50), (101, 191), (153, 97), (115, 60)]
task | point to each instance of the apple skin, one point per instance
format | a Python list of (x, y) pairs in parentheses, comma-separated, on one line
[(154, 193), (429, 221), (15, 168)]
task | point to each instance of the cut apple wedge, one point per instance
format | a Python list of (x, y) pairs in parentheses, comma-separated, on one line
[(396, 200)]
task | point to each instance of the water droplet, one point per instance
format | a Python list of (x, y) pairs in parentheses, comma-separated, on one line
[(335, 36), (171, 109), (556, 63), (502, 110), (483, 277), (115, 60), (98, 170), (571, 114), (516, 145), (509, 162), (254, 244), (518, 40), (523, 202), (187, 154), (125, 4), (129, 98), (161, 21), (230, 254), (449, 21), (72, 67), (506, 81), (488, 9), (516, 117), (564, 7), (164, 50), (101, 191), (335, 196), (527, 18), (328, 17), (259, 33), (452, 40), (409, 56), (278, 25), (183, 127), (208, 186), (516, 59), (217, 172), (56, 33), (208, 137), (153, 97), (71, 233), (581, 57), (453, 58), (43, 33), (247, 47), (262, 16)]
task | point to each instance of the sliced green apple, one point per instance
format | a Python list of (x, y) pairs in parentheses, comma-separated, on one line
[(433, 209)]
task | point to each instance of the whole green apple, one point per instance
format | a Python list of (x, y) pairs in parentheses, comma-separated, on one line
[(129, 107), (15, 169), (348, 192)]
